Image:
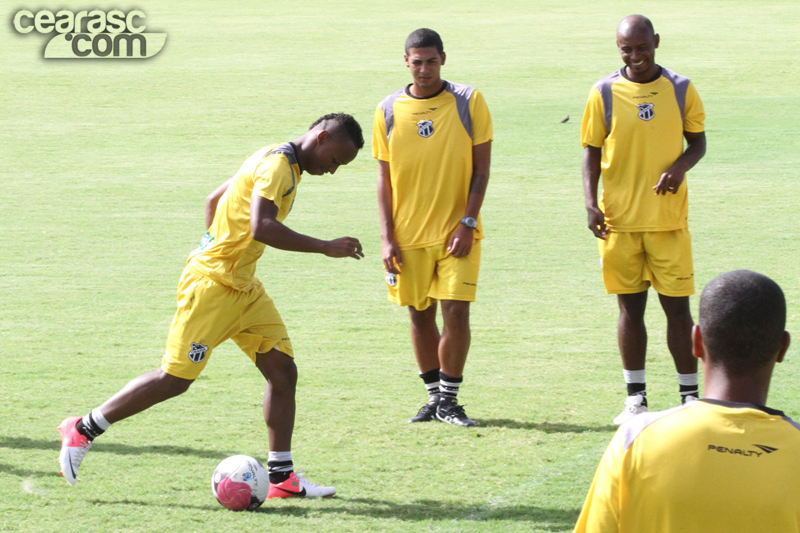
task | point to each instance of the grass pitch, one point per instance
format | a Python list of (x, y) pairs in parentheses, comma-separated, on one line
[(105, 166)]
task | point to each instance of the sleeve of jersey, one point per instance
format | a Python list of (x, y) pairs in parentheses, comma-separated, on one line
[(600, 513), (481, 119), (694, 116), (273, 178), (593, 127), (380, 143)]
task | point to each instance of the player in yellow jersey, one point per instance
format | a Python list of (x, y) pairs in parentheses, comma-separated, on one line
[(726, 463), (633, 130), (220, 298), (432, 140)]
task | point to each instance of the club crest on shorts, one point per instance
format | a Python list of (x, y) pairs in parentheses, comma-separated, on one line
[(425, 128), (198, 352), (646, 111), (391, 279)]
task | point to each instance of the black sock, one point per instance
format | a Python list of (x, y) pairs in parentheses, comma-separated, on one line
[(688, 390), (431, 380), (449, 385), (638, 388), (279, 471), (87, 427)]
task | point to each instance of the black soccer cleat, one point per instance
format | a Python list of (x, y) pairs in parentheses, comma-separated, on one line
[(427, 412), (449, 411)]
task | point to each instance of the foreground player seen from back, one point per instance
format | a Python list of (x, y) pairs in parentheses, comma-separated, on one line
[(432, 140), (220, 298), (633, 134), (726, 463)]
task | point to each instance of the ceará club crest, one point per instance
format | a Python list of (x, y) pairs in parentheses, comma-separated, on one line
[(425, 128)]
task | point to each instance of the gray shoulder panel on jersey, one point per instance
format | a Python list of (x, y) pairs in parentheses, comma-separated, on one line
[(287, 150), (462, 94), (387, 106), (634, 427), (604, 88), (681, 85), (792, 422)]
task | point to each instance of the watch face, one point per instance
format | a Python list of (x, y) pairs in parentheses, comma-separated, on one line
[(469, 222)]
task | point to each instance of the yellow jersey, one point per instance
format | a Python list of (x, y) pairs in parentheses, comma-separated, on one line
[(428, 144), (640, 128), (705, 467), (228, 253)]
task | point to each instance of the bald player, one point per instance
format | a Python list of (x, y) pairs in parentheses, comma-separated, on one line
[(633, 132), (220, 298), (723, 464)]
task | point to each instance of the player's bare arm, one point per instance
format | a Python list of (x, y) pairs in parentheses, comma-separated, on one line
[(213, 199), (266, 228), (673, 178), (461, 242), (392, 259), (591, 180)]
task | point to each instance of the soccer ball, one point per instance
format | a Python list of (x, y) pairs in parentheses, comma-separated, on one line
[(240, 482)]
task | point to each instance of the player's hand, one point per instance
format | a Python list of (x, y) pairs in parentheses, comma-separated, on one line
[(670, 181), (392, 260), (460, 243), (597, 222), (344, 247)]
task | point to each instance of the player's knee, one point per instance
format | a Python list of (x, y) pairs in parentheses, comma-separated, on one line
[(456, 312), (171, 386)]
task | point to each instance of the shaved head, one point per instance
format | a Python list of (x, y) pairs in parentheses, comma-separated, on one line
[(635, 25)]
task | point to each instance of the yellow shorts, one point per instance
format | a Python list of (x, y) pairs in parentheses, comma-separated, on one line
[(431, 274), (632, 261), (210, 313)]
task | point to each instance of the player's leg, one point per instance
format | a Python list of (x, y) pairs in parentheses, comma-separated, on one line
[(141, 393), (425, 339), (263, 337), (624, 267), (455, 284), (410, 288), (670, 260), (197, 327), (280, 372)]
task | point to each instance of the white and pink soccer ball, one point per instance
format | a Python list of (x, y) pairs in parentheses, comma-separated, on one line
[(240, 483)]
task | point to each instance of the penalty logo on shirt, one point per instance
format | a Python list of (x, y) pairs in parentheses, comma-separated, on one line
[(198, 352), (425, 128), (646, 111)]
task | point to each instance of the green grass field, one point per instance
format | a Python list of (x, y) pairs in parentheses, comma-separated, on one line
[(105, 167)]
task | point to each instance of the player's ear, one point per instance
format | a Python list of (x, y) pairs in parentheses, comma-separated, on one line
[(322, 136), (698, 348), (444, 56), (784, 346), (656, 38)]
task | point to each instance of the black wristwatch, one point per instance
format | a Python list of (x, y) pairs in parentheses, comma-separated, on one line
[(469, 222)]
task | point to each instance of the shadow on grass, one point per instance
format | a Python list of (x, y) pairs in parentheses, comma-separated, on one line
[(416, 511), (24, 443), (545, 427)]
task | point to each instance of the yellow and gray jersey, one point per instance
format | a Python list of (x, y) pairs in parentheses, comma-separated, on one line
[(428, 145), (640, 128), (228, 252), (705, 467)]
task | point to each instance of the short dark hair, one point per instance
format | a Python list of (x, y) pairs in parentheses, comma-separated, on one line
[(424, 38), (341, 125), (742, 320)]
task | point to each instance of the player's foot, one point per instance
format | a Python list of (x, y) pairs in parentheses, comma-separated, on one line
[(427, 412), (298, 487), (74, 446), (688, 399), (633, 406), (449, 411)]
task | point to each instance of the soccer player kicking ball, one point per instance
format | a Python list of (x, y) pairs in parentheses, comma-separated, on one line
[(220, 298)]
